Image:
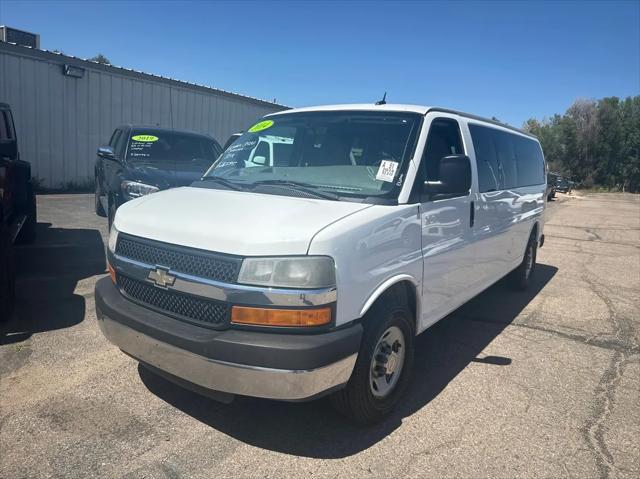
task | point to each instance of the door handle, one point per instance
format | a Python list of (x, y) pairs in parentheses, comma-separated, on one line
[(472, 214)]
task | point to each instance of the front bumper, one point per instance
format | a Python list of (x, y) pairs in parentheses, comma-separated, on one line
[(267, 365)]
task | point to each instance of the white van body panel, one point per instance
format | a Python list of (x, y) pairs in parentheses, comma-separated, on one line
[(231, 222), (371, 248)]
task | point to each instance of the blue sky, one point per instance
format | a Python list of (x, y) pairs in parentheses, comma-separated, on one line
[(512, 60)]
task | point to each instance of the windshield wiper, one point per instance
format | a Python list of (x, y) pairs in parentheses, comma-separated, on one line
[(223, 181), (301, 186)]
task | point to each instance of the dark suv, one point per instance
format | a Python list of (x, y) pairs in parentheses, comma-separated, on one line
[(17, 207), (144, 159)]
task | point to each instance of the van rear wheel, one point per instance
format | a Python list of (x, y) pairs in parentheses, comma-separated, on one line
[(521, 276), (384, 364)]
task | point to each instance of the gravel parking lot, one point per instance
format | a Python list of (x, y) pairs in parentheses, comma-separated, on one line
[(538, 384)]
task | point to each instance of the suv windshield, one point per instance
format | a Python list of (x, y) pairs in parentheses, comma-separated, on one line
[(350, 154), (151, 145)]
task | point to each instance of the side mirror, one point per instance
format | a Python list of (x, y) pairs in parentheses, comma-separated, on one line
[(259, 160), (106, 152), (9, 148), (455, 177)]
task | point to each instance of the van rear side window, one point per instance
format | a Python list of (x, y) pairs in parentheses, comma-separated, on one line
[(486, 159), (506, 160)]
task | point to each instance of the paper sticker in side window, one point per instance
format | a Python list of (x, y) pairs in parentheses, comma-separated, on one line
[(387, 171)]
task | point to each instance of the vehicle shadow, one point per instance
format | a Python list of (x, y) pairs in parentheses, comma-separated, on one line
[(314, 430), (48, 272)]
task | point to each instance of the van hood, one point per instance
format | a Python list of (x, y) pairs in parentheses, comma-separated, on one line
[(232, 222)]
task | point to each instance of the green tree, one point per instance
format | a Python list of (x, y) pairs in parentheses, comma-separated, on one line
[(100, 58), (596, 143)]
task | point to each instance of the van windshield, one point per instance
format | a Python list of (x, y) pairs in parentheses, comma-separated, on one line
[(347, 153)]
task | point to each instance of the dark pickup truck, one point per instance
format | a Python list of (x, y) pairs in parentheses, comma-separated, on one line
[(17, 208)]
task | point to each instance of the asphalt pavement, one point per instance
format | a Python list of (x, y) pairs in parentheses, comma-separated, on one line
[(544, 383)]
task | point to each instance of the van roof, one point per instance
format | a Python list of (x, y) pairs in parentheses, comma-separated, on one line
[(422, 110)]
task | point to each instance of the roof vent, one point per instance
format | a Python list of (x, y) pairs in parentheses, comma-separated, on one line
[(19, 37)]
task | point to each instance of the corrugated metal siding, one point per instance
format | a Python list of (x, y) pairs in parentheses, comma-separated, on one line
[(61, 120)]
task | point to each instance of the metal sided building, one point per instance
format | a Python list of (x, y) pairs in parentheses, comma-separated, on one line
[(65, 107)]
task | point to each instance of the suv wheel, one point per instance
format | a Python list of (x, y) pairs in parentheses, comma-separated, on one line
[(112, 214), (384, 363), (7, 276), (28, 231), (521, 276), (99, 209)]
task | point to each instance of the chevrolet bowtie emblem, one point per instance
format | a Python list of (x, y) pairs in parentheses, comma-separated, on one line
[(161, 277)]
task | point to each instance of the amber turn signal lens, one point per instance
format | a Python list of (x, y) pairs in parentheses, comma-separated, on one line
[(112, 272), (280, 317)]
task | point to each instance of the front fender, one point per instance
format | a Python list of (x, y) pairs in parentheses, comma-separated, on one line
[(379, 291)]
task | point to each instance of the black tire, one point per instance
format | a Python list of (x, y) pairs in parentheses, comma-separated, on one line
[(357, 400), (99, 209), (27, 233), (112, 214), (521, 276), (7, 276)]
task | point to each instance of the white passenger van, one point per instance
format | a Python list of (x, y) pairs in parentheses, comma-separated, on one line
[(311, 272)]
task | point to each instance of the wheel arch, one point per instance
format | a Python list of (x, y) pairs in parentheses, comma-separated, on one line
[(533, 232), (535, 229), (401, 284)]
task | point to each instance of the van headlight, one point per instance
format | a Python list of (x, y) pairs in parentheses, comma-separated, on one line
[(305, 272), (135, 189), (113, 238)]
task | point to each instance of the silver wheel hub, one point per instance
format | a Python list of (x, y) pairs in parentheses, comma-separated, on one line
[(387, 362)]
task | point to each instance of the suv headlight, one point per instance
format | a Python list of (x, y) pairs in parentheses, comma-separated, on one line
[(134, 189), (113, 238), (304, 272)]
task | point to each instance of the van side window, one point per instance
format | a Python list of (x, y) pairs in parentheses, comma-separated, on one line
[(443, 140), (505, 146), (506, 160), (489, 175), (530, 162)]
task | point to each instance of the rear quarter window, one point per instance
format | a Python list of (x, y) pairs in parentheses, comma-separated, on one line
[(530, 162)]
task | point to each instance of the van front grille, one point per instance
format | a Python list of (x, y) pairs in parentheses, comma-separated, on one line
[(215, 266), (205, 312)]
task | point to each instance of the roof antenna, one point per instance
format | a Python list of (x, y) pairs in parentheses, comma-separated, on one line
[(384, 99)]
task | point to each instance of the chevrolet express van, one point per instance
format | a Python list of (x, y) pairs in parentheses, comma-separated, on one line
[(312, 273)]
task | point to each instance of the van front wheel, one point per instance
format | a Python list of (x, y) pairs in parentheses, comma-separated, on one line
[(383, 367)]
